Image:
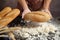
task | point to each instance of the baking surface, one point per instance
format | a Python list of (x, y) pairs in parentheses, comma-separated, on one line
[(33, 34)]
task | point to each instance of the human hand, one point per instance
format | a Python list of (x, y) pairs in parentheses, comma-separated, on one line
[(46, 10), (25, 12)]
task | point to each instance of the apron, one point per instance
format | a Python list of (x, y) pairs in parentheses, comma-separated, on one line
[(35, 4)]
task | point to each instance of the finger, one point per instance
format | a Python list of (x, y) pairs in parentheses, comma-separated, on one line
[(49, 14), (5, 11), (22, 16), (47, 11), (9, 17)]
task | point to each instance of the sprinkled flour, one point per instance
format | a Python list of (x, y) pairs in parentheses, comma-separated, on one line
[(45, 31)]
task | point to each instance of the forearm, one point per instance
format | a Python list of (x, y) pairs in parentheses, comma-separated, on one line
[(23, 4), (46, 4)]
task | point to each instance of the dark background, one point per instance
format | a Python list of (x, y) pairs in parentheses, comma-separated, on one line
[(55, 8)]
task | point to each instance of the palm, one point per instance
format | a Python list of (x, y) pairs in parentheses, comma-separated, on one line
[(25, 12)]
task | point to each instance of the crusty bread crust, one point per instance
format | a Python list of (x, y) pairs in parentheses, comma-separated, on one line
[(9, 17), (37, 16), (5, 11)]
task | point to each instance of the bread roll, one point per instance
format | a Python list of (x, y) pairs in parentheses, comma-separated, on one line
[(9, 17), (37, 16), (4, 12)]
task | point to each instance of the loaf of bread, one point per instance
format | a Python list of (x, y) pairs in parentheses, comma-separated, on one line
[(9, 17), (37, 16), (5, 11)]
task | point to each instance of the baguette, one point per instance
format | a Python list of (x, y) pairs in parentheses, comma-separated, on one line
[(9, 17), (11, 35), (9, 29), (4, 12), (37, 16)]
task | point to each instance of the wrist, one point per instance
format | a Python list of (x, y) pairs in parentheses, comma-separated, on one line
[(44, 9), (27, 9)]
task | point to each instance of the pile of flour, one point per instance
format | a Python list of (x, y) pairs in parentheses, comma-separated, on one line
[(45, 31)]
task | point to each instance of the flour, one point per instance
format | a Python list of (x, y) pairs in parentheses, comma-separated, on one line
[(33, 33)]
